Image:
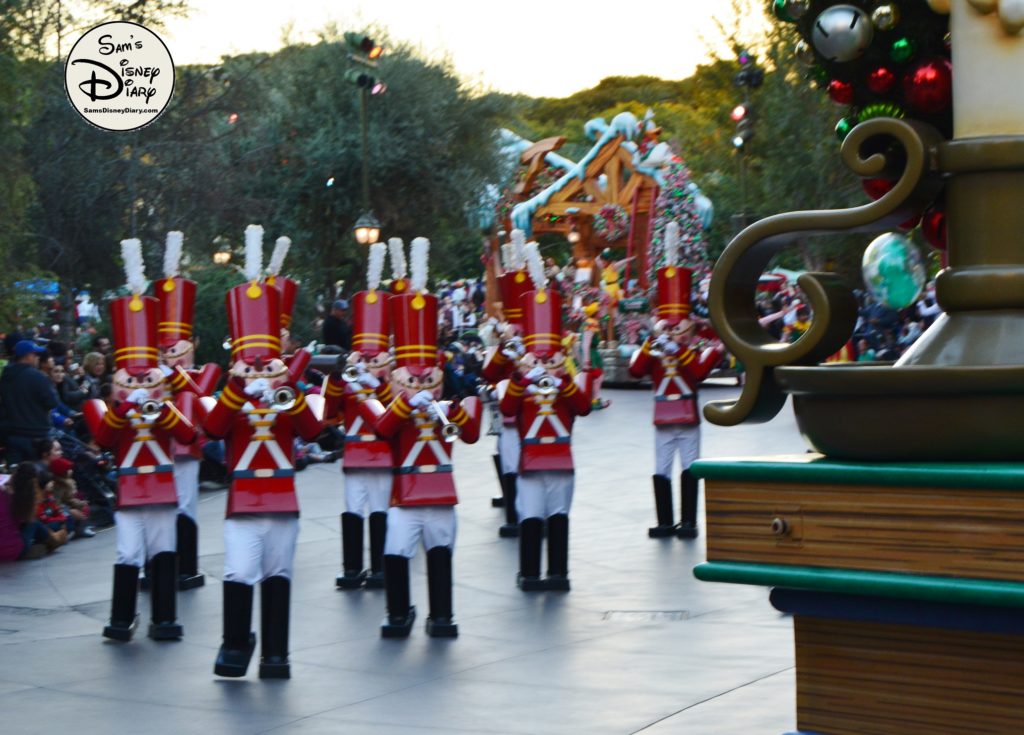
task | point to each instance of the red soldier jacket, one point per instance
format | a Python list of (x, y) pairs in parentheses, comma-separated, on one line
[(189, 386), (544, 421), (142, 446), (363, 448), (259, 448), (675, 379), (422, 459)]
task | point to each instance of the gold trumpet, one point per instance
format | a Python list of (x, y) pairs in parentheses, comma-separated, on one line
[(282, 398), (449, 431), (546, 385), (351, 373)]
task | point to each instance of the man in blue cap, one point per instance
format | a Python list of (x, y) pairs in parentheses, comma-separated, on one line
[(26, 399)]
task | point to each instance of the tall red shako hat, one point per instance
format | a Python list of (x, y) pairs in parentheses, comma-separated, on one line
[(514, 282), (177, 297), (371, 317), (288, 288), (399, 282), (254, 308), (674, 282), (134, 317), (414, 316), (542, 310)]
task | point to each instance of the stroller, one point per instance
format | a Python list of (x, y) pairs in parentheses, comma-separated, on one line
[(95, 475)]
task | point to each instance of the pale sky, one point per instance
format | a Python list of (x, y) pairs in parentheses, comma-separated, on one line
[(538, 47)]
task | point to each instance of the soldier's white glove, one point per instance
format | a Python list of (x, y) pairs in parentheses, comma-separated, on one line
[(257, 387), (138, 396), (422, 399), (535, 373), (532, 389), (168, 372), (367, 379), (670, 348)]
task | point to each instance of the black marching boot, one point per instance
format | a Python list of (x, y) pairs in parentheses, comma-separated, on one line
[(123, 618), (189, 576), (401, 614), (528, 579), (378, 534), (163, 590), (688, 526), (353, 576), (439, 586), (558, 553), (498, 501), (239, 640), (508, 489), (663, 508), (275, 603)]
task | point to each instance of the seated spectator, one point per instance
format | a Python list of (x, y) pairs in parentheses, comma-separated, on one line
[(95, 375), (21, 535), (61, 492)]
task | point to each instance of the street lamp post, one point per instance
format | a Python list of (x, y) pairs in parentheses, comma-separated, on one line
[(364, 52)]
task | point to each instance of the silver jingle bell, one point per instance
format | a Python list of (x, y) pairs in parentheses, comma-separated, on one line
[(842, 33)]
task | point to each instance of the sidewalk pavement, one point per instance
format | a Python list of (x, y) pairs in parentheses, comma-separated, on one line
[(638, 645)]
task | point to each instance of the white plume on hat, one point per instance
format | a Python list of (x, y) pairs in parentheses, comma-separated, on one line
[(134, 268), (507, 257), (535, 265), (518, 238), (253, 252), (277, 258), (671, 243), (396, 249), (419, 252), (375, 265), (172, 253)]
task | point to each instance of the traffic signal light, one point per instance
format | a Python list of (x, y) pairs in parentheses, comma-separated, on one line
[(743, 116), (363, 46), (366, 80)]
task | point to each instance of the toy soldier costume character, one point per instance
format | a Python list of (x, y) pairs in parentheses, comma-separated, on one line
[(421, 431), (177, 299), (141, 430), (676, 369), (366, 465), (259, 413), (500, 364), (544, 401)]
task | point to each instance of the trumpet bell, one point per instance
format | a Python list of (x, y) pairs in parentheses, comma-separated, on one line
[(450, 432), (150, 408), (546, 385), (351, 374), (283, 399)]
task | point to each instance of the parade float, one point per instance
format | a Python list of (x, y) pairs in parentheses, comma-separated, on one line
[(612, 207), (896, 544)]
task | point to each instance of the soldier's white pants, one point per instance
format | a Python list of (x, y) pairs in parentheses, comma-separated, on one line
[(186, 482), (543, 494), (672, 440), (258, 547), (367, 491), (508, 449), (144, 532), (434, 524)]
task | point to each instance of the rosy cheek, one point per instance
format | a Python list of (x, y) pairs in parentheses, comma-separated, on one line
[(120, 394)]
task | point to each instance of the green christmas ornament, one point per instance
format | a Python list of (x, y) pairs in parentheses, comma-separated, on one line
[(844, 126), (903, 49), (780, 11), (880, 109), (819, 75)]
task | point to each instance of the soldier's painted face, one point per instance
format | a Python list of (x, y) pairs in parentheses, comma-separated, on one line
[(409, 383), (273, 370), (553, 364), (180, 353), (681, 333), (152, 380), (379, 366)]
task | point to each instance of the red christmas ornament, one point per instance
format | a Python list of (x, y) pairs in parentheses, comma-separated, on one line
[(881, 80), (928, 86), (877, 188), (933, 226), (910, 223), (841, 92)]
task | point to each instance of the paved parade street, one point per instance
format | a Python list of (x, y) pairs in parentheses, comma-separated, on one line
[(638, 645)]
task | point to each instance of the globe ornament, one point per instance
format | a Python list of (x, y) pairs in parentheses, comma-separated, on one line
[(928, 87), (893, 270), (842, 33), (880, 80), (844, 126), (885, 17), (840, 92)]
